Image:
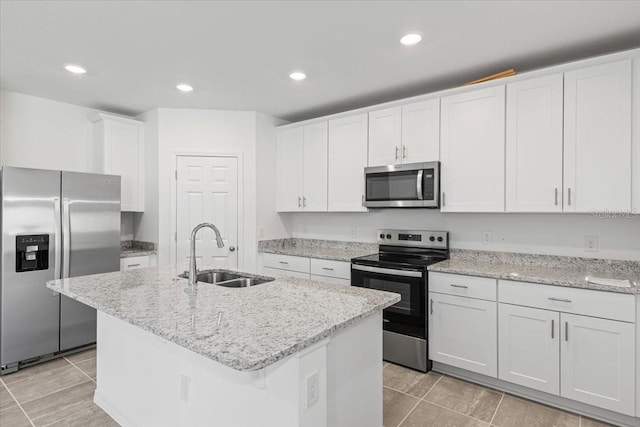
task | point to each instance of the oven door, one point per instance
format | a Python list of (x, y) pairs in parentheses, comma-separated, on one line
[(407, 316), (412, 185)]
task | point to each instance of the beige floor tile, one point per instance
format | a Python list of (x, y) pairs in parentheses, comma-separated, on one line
[(88, 367), (396, 406), (94, 417), (44, 383), (409, 381), (588, 422), (84, 355), (13, 417), (430, 415), (60, 404), (34, 370), (469, 399), (6, 401), (516, 412)]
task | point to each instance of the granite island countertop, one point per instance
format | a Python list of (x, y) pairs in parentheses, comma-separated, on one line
[(243, 328), (315, 248), (570, 272)]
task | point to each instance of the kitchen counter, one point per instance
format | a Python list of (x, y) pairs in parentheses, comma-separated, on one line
[(315, 248), (244, 329), (544, 269), (132, 248)]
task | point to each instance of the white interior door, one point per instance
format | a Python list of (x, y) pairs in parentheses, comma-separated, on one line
[(207, 191)]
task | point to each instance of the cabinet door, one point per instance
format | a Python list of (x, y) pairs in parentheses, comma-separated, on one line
[(635, 170), (421, 131), (529, 347), (463, 333), (597, 138), (347, 160), (534, 145), (290, 170), (315, 167), (385, 137), (598, 362), (124, 156), (472, 151)]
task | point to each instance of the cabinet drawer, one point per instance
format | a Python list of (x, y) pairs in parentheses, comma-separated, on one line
[(286, 262), (325, 267), (333, 280), (467, 286), (133, 263), (608, 305), (268, 271)]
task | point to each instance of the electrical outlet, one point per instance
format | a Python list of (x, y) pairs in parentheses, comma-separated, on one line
[(486, 237), (185, 386), (354, 232), (591, 243), (313, 389)]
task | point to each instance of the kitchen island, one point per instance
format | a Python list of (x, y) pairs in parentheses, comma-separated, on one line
[(290, 352)]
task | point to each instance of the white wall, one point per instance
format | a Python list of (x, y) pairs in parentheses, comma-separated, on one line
[(554, 234), (41, 133)]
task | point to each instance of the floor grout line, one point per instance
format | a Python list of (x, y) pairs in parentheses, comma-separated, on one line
[(39, 373), (17, 403), (409, 413), (496, 411), (75, 366)]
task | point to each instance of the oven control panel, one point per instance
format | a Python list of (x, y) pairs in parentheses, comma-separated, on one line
[(415, 238)]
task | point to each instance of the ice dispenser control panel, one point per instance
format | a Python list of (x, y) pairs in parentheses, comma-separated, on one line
[(32, 252)]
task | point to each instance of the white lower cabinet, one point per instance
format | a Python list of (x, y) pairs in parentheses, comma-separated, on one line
[(462, 333), (529, 347), (598, 362), (323, 270), (271, 271), (135, 262)]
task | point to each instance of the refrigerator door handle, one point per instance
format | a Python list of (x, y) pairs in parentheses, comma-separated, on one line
[(66, 236), (57, 239)]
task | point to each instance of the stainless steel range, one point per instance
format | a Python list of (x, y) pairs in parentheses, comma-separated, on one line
[(400, 266)]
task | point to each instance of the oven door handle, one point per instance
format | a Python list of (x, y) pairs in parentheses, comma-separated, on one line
[(419, 184), (389, 271)]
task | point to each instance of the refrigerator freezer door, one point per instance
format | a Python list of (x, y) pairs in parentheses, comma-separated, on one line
[(91, 226), (29, 312)]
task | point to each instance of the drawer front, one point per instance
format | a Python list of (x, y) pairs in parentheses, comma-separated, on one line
[(268, 271), (324, 267), (332, 280), (286, 262), (607, 305), (466, 286), (133, 263)]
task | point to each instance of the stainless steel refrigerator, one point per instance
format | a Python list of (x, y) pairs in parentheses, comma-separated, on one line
[(54, 225)]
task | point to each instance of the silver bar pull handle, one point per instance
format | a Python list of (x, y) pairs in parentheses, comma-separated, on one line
[(419, 184), (133, 265), (556, 197), (444, 199), (553, 328), (431, 309), (397, 150), (459, 286), (57, 240), (566, 331), (404, 151), (327, 268), (569, 196), (559, 299), (363, 200), (299, 202), (283, 262), (66, 239), (304, 202)]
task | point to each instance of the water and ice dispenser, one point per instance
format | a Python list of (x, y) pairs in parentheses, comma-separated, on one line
[(32, 252)]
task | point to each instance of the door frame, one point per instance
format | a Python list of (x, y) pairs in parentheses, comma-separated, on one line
[(240, 244)]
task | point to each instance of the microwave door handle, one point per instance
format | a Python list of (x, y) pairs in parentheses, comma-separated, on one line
[(419, 184)]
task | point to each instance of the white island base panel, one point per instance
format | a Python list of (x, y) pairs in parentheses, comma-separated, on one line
[(144, 380)]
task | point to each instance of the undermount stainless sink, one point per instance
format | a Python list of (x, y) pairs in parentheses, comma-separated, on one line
[(228, 279)]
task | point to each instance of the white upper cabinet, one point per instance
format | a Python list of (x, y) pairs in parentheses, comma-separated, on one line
[(120, 151), (636, 140), (290, 169), (472, 151), (421, 131), (315, 167), (347, 160), (597, 138), (385, 137), (534, 145), (302, 168)]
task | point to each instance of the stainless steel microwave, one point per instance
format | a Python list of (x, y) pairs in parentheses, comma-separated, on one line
[(414, 185)]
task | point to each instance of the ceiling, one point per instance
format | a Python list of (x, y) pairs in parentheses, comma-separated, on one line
[(238, 55)]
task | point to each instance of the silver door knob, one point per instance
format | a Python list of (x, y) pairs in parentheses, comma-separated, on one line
[(232, 248)]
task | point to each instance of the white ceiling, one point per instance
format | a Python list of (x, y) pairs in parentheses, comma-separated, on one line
[(238, 55)]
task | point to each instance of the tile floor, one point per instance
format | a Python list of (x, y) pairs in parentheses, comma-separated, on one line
[(414, 399), (60, 393)]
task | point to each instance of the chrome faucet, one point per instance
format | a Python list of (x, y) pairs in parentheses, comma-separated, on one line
[(193, 272)]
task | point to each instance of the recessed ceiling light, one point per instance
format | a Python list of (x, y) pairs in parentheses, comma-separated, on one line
[(297, 75), (75, 69), (183, 87), (411, 38)]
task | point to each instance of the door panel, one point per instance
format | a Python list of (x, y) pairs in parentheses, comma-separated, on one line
[(93, 228), (385, 137), (290, 169), (315, 167), (207, 191), (421, 131), (29, 311)]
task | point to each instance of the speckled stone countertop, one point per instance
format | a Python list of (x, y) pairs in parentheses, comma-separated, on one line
[(243, 328), (131, 248), (314, 248), (545, 269)]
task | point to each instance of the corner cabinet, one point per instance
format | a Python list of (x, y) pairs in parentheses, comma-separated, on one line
[(347, 160), (119, 144), (472, 149)]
